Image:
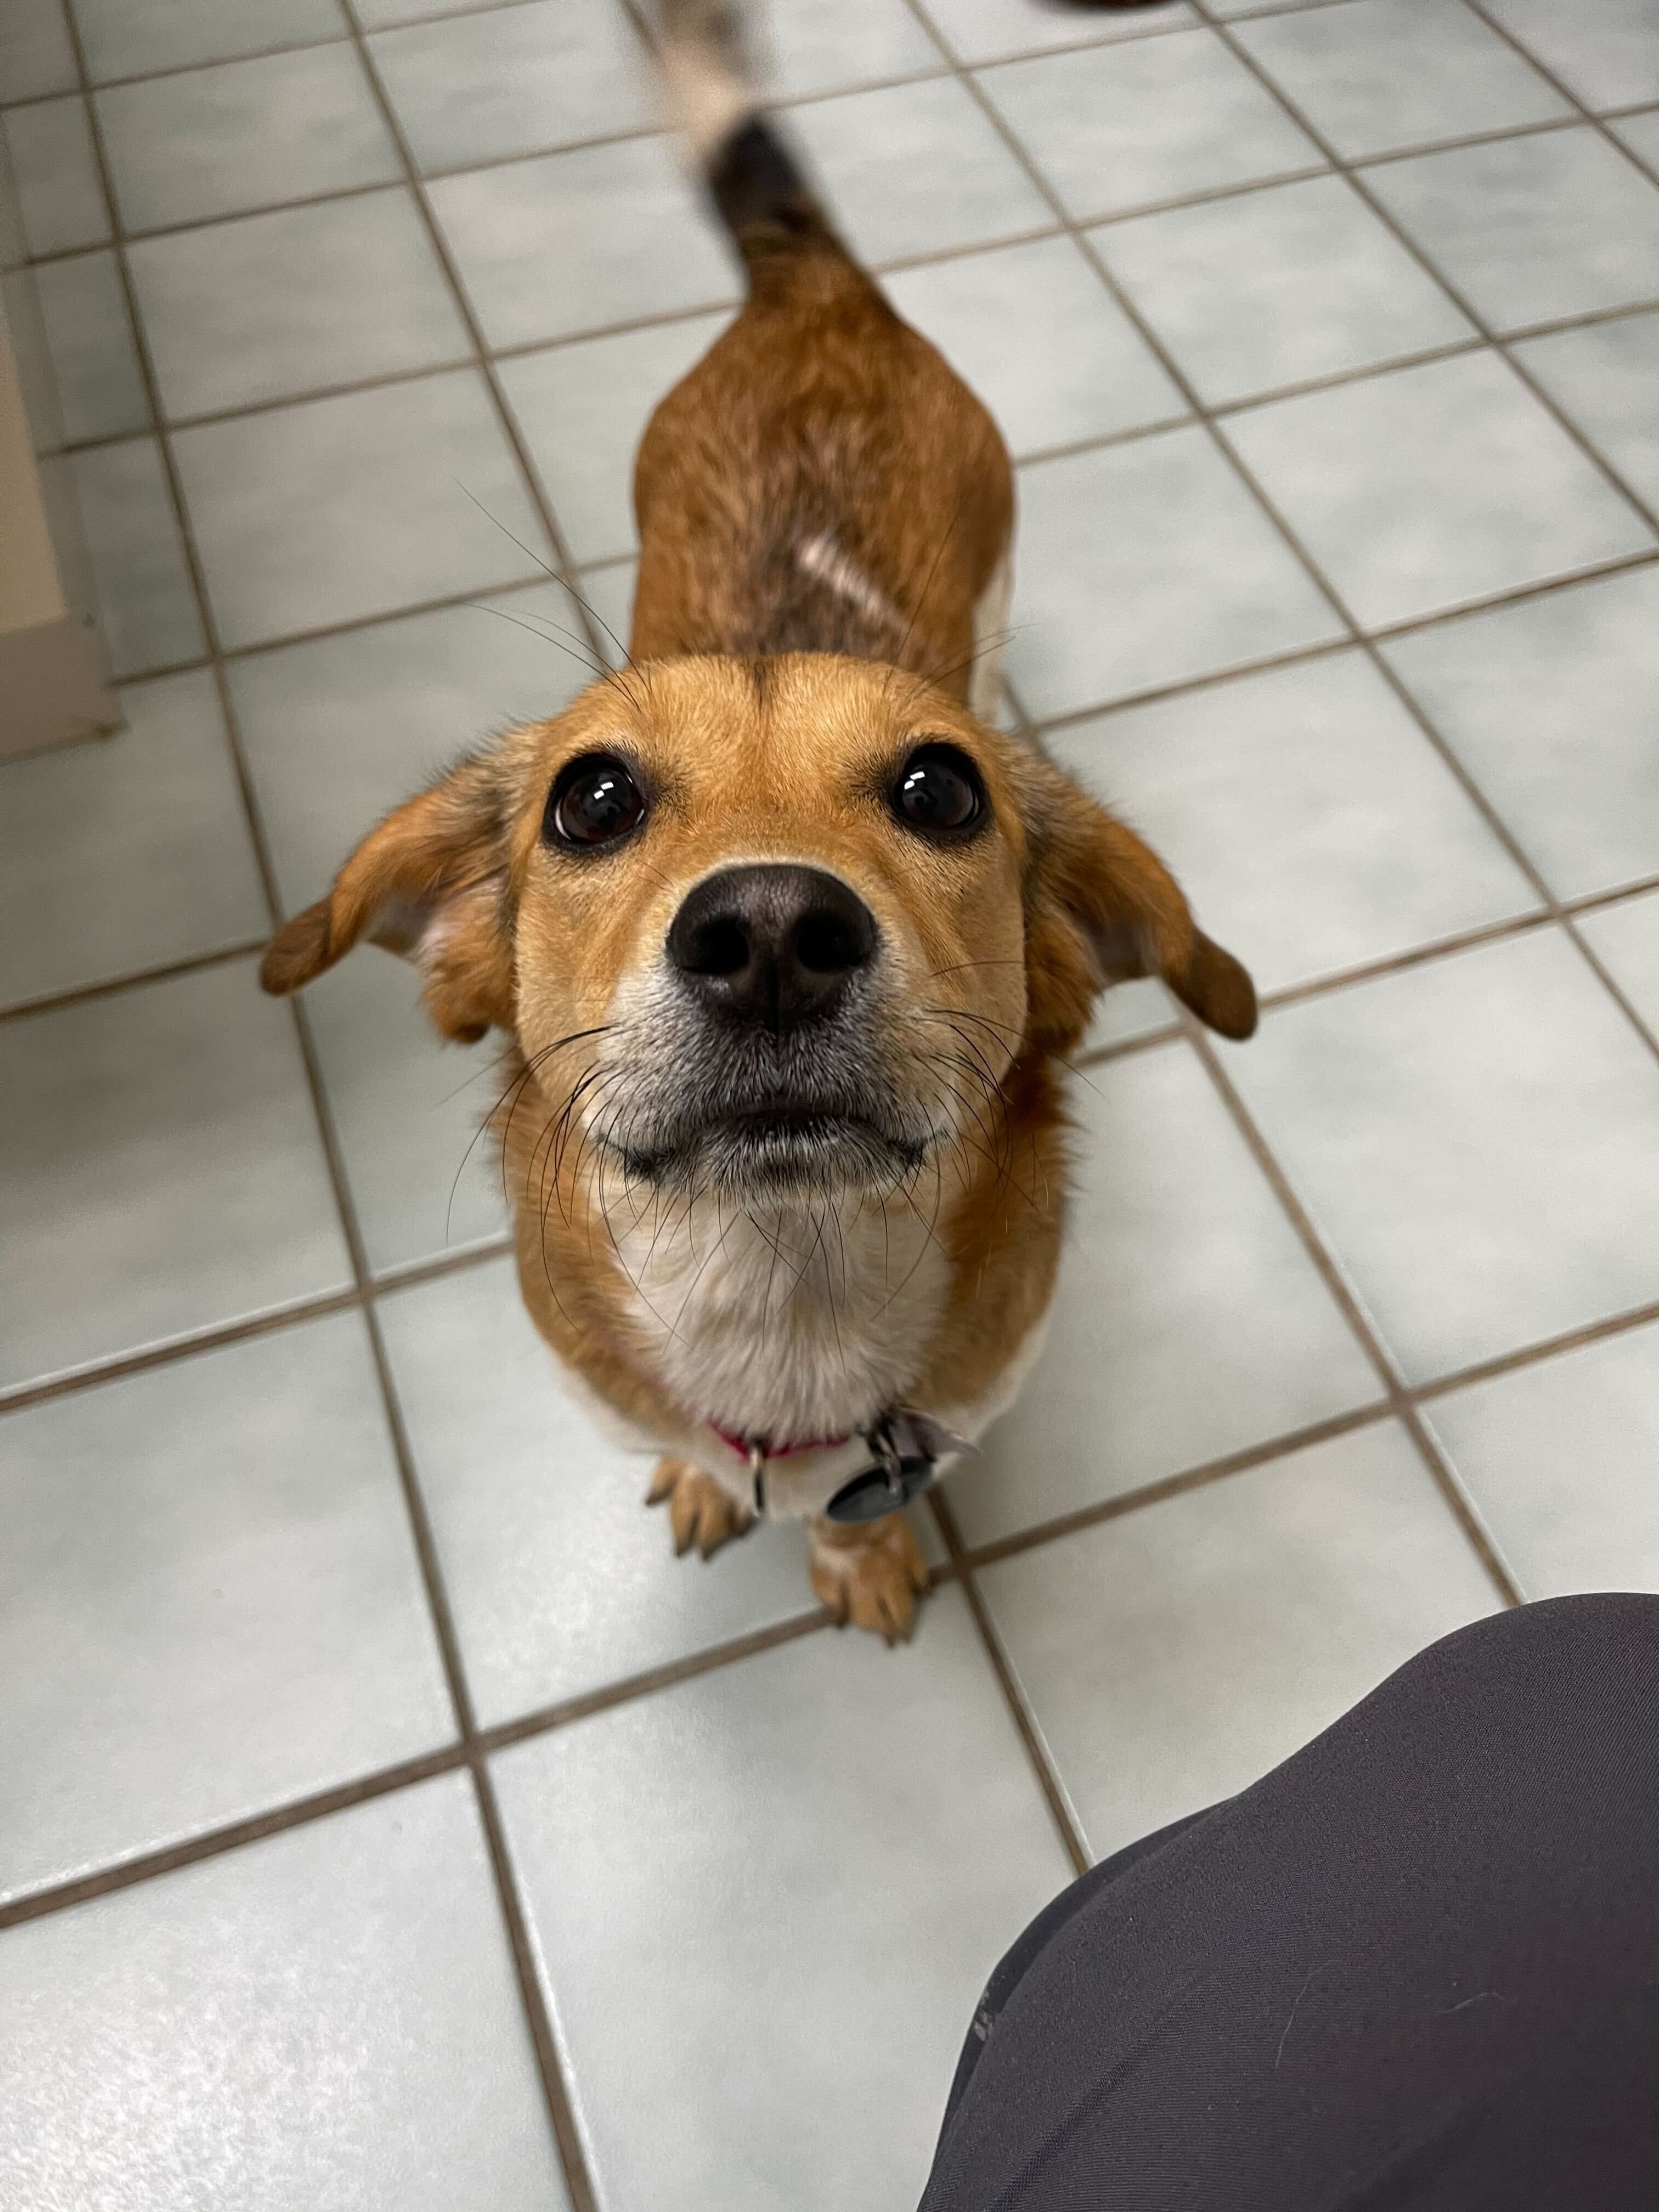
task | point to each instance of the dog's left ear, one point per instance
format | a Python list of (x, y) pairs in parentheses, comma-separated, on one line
[(429, 882), (1101, 907)]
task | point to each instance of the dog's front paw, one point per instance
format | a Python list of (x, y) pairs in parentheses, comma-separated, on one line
[(870, 1575), (700, 1511)]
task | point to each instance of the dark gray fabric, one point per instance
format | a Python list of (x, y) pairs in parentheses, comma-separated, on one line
[(1414, 1969)]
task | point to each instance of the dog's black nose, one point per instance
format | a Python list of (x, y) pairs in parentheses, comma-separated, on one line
[(771, 946)]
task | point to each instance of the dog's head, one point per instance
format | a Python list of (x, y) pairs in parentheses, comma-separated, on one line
[(769, 927)]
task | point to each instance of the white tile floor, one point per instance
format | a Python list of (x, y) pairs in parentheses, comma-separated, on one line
[(387, 1821)]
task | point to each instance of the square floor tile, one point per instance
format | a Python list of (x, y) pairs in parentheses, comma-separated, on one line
[(100, 388), (1311, 822), (917, 169), (337, 508), (36, 56), (1175, 1655), (1278, 287), (1607, 379), (1641, 134), (1559, 1459), (992, 30), (340, 730), (1433, 486), (1374, 75), (857, 1912), (1549, 706), (59, 198), (815, 49), (486, 87), (1475, 1139), (1147, 119), (272, 306), (1145, 564), (242, 135), (583, 410), (162, 1170), (559, 1576), (146, 601), (211, 1601), (1188, 1320), (1626, 939), (121, 41), (1530, 229), (1606, 51), (127, 852), (327, 2018), (580, 241), (1041, 340)]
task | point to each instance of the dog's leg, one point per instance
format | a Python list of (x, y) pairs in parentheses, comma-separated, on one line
[(870, 1574), (700, 1511)]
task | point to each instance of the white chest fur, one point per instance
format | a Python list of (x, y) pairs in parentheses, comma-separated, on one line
[(788, 1324)]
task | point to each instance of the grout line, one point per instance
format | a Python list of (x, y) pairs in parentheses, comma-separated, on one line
[(452, 14), (543, 1719), (252, 651), (1043, 1769), (1155, 426), (561, 2105), (315, 1305), (965, 1560), (1597, 119), (462, 1754), (1283, 1446), (81, 994), (1533, 1355), (1391, 963), (1314, 570), (1355, 173), (1242, 1462), (1384, 633), (1501, 346), (1400, 1402), (20, 1396), (127, 1874), (1168, 1032), (563, 566), (1366, 639)]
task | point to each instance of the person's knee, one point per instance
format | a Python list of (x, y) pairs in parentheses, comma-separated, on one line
[(1554, 1669)]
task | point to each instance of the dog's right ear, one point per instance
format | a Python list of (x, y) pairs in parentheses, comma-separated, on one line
[(430, 881)]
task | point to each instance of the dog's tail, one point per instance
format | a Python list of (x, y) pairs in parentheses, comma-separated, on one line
[(706, 51)]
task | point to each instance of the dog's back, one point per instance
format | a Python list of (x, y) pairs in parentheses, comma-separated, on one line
[(822, 481)]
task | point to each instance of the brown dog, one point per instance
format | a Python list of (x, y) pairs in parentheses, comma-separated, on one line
[(790, 943)]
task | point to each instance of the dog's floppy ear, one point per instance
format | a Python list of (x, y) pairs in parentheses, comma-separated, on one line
[(1101, 907), (429, 882)]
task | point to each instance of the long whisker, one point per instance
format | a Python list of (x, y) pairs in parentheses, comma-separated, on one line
[(519, 622)]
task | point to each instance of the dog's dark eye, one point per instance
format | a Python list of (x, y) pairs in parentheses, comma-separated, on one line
[(594, 801), (938, 792)]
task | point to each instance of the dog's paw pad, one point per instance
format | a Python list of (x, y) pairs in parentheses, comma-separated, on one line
[(702, 1512), (871, 1576)]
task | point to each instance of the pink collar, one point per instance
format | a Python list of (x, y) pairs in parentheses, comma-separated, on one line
[(745, 1446)]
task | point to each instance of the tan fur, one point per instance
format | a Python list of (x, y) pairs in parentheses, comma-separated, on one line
[(770, 704)]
